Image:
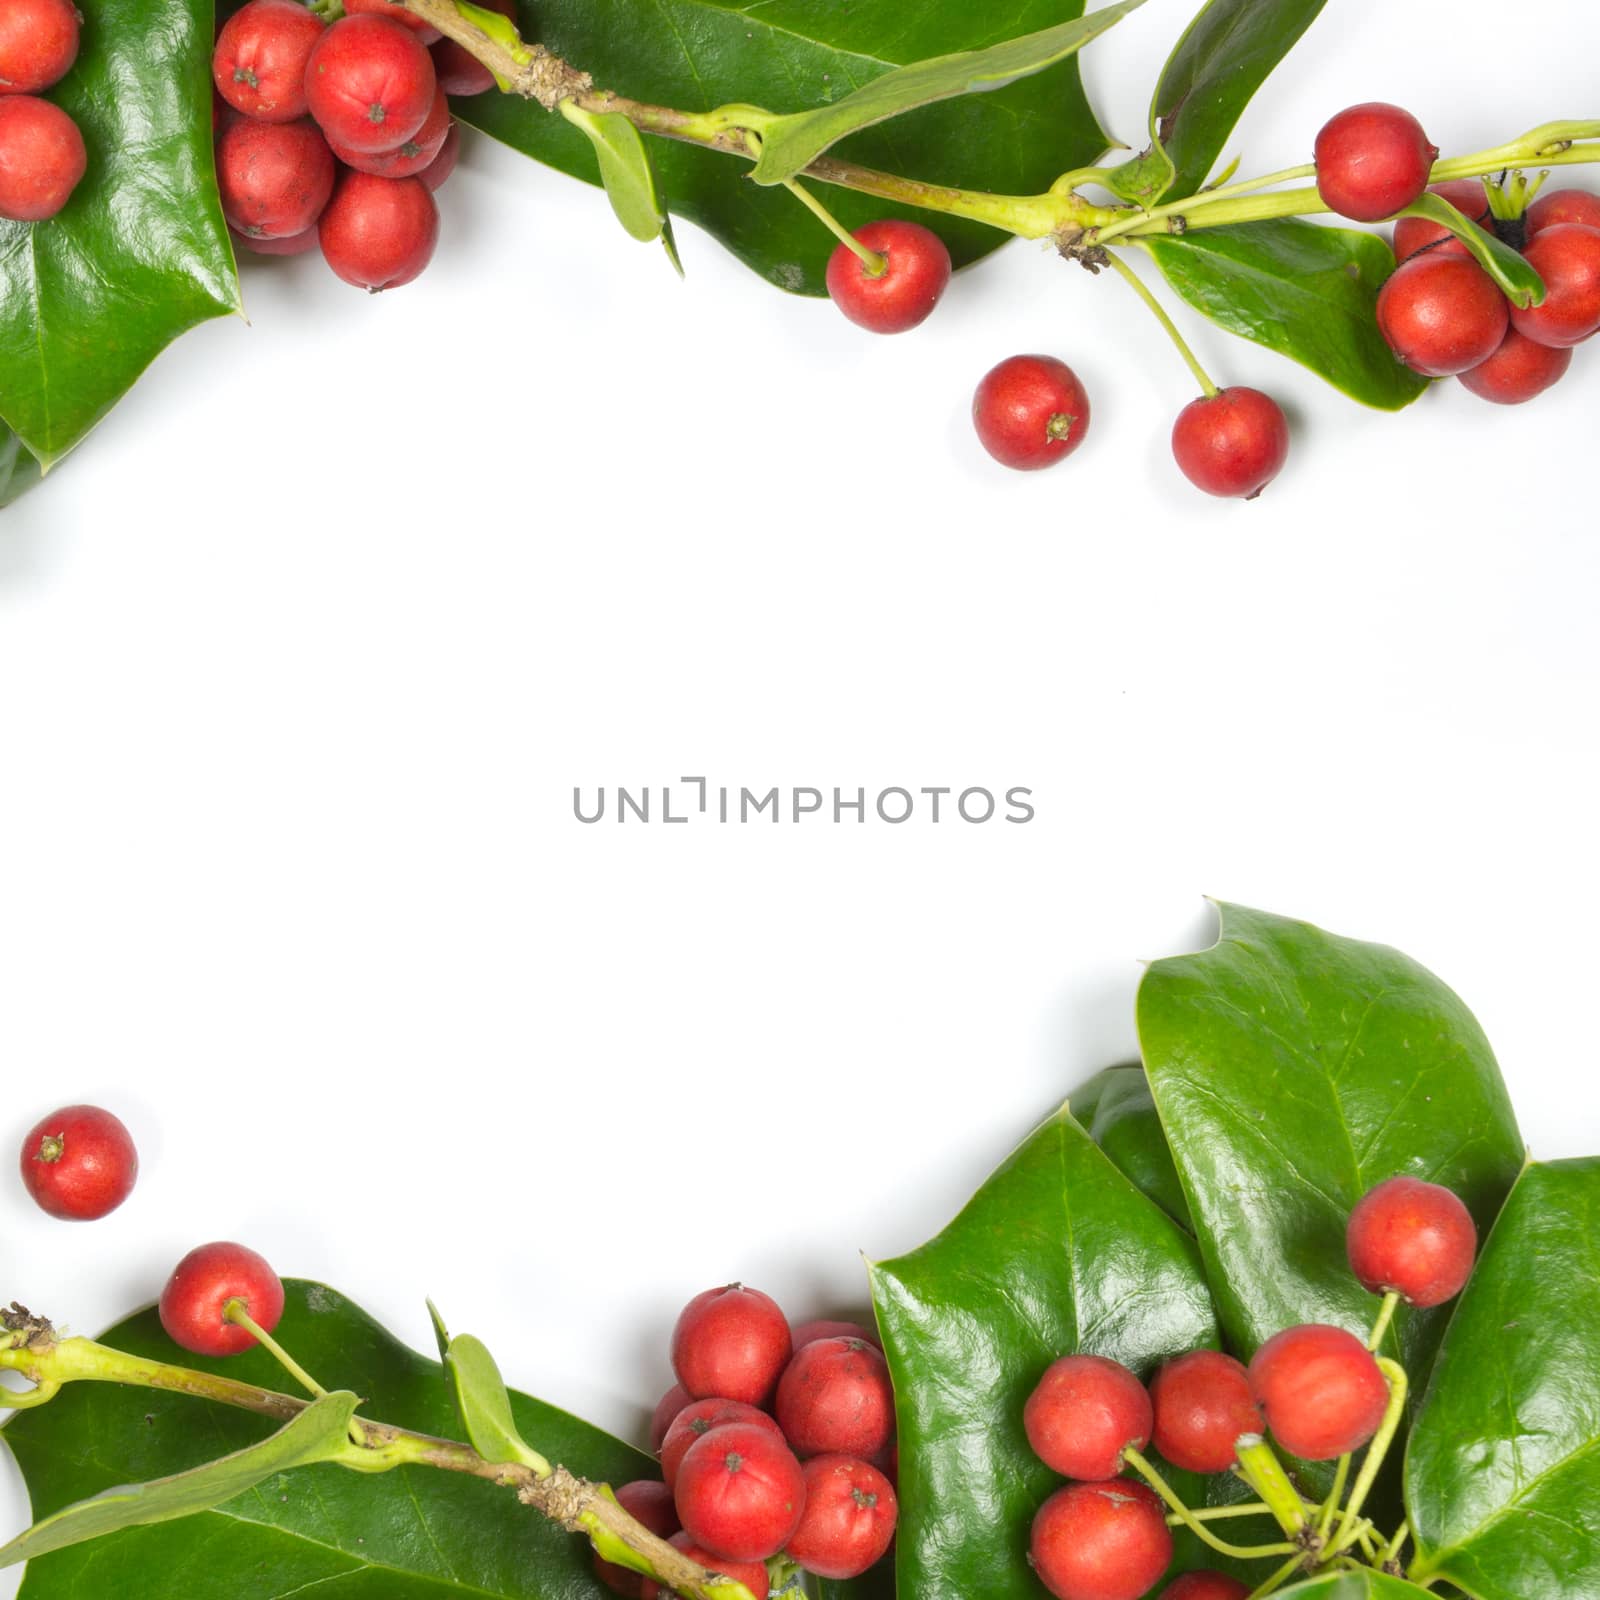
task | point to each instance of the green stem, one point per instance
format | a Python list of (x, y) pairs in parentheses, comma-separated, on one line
[(1341, 1477), (1152, 1476), (875, 264), (1260, 1468), (1158, 311), (1349, 1526), (1278, 1578), (1391, 1550), (236, 1312), (1385, 1316), (1251, 1508)]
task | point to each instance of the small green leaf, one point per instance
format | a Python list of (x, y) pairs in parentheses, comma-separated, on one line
[(791, 143), (628, 174), (485, 1406), (1119, 1113), (1306, 291), (319, 1433), (1520, 282), (19, 467), (1353, 1586)]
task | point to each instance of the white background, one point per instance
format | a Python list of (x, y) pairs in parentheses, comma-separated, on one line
[(301, 658)]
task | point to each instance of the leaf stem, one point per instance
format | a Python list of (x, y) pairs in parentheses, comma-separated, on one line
[(1158, 311), (1260, 1467), (1390, 1552), (1251, 1508), (238, 1314), (875, 264), (1278, 1578), (1341, 1476), (1349, 1526), (1153, 1477), (1385, 1316)]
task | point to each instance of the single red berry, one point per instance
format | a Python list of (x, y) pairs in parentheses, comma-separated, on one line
[(902, 295), (740, 1493), (79, 1164), (443, 164), (1321, 1390), (1203, 1405), (696, 1420), (1233, 443), (809, 1332), (648, 1502), (38, 44), (1206, 1585), (415, 156), (752, 1574), (274, 177), (42, 158), (849, 1520), (200, 1288), (731, 1344), (1413, 1237), (1101, 1541), (1567, 257), (461, 72), (370, 84), (1518, 371), (379, 233), (1084, 1413), (1442, 315), (259, 66), (1563, 205), (668, 1408), (1413, 235), (1031, 412), (836, 1399), (395, 10), (298, 244), (1372, 161)]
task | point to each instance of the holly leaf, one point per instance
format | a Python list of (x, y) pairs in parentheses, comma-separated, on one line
[(1119, 1113), (795, 54), (1306, 291), (19, 467), (411, 1534), (484, 1405), (1503, 1471), (1353, 1586), (141, 253), (628, 174), (1519, 282)]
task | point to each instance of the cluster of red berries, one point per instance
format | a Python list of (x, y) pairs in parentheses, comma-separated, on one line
[(774, 1441), (1317, 1389), (42, 154), (1442, 314)]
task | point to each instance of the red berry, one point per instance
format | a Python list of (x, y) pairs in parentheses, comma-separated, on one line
[(1101, 1541), (740, 1493), (370, 84), (809, 1332), (1084, 1413), (675, 1400), (1206, 1585), (461, 72), (849, 1520), (1413, 1237), (38, 44), (1442, 315), (1321, 1390), (1372, 161), (1231, 444), (1563, 205), (650, 1503), (731, 1344), (275, 177), (79, 1164), (905, 292), (1567, 257), (1203, 1404), (298, 244), (259, 66), (1518, 371), (836, 1399), (397, 12), (696, 1420), (198, 1293), (752, 1574), (1031, 412), (1413, 235), (42, 158), (379, 233), (412, 158), (443, 164)]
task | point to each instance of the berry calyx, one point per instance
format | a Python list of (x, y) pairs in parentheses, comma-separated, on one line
[(1518, 371), (903, 294), (1083, 1414), (1100, 1541), (197, 1295), (849, 1520), (699, 1418), (458, 70), (1205, 1585), (740, 1493), (809, 1332), (732, 1344), (836, 1399), (667, 1411), (752, 1574), (1202, 1406), (42, 158), (1413, 235), (38, 44), (1231, 444), (1321, 1389), (79, 1163), (1563, 205), (415, 156), (259, 65), (1031, 412), (1372, 161), (379, 233), (1413, 1238), (1442, 314), (274, 177), (650, 1503), (370, 84), (1567, 257), (395, 11)]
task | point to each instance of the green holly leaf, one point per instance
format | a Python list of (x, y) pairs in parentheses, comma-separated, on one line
[(1503, 1472), (1353, 1586), (1119, 1113), (483, 1403), (628, 174), (1518, 281), (19, 467)]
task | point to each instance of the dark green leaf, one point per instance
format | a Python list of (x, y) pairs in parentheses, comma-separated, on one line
[(19, 467), (141, 253), (412, 1534), (1520, 282), (789, 144), (1503, 1473), (1119, 1113), (1057, 1252), (1308, 292), (1228, 52), (1353, 1586), (793, 55)]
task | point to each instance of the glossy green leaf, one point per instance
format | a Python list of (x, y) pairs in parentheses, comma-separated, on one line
[(793, 55), (1228, 52), (1306, 291), (19, 467), (1119, 1113), (1353, 1586), (319, 1433), (1294, 1070), (1520, 282), (141, 252), (628, 175), (1503, 1473), (789, 144), (411, 1534), (1057, 1252)]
